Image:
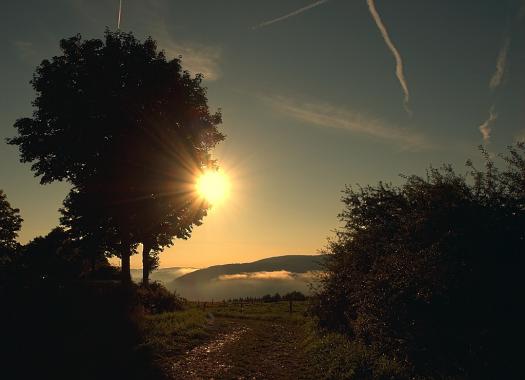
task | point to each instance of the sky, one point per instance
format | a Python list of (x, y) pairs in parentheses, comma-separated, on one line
[(315, 95)]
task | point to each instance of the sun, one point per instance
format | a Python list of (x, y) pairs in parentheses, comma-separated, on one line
[(213, 186)]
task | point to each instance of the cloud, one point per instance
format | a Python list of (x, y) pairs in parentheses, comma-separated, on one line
[(195, 58), (26, 51), (486, 127), (326, 115), (273, 275), (119, 13), (501, 64), (283, 275), (291, 14), (520, 136), (399, 61)]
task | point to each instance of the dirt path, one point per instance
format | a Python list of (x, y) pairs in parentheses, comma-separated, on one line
[(246, 349)]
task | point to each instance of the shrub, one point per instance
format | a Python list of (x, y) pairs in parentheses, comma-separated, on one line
[(155, 299), (429, 273), (334, 356)]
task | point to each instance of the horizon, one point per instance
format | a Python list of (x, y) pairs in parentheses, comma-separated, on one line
[(314, 95), (244, 262)]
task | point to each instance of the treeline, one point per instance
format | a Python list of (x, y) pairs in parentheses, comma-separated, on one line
[(291, 296), (424, 279)]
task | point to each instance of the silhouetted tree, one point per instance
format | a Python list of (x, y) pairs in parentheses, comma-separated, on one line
[(93, 228), (129, 130), (294, 296), (53, 257), (429, 273), (10, 224)]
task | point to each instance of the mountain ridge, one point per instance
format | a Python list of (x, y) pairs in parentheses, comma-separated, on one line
[(269, 275)]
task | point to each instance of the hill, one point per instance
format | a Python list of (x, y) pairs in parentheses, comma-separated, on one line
[(163, 275), (279, 274)]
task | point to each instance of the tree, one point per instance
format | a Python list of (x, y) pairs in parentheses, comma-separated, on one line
[(428, 274), (130, 130), (294, 296), (10, 224), (88, 227), (53, 257)]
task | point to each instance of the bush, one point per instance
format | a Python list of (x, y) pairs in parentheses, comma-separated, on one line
[(428, 273), (155, 299), (334, 356)]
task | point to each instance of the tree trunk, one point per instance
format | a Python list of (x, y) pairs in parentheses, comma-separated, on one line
[(125, 265), (146, 263)]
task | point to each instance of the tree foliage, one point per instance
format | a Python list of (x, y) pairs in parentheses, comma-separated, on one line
[(53, 257), (429, 273), (100, 97), (294, 296), (130, 130), (10, 224)]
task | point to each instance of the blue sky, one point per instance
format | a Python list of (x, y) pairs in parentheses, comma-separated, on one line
[(311, 102)]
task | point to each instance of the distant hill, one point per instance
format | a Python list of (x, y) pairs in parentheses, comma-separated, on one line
[(279, 274), (163, 275)]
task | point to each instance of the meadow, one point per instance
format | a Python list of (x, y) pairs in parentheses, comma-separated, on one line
[(234, 339)]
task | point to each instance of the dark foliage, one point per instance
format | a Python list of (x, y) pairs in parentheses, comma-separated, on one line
[(129, 130), (85, 330), (428, 274), (10, 224), (59, 316), (294, 296), (269, 298), (51, 258), (99, 96), (156, 299)]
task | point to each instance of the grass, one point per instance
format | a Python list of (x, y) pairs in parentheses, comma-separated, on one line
[(335, 356), (270, 311), (171, 334), (168, 336), (272, 331)]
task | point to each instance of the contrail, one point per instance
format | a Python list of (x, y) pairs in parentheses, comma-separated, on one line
[(485, 128), (294, 13), (501, 63), (399, 61), (119, 14)]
